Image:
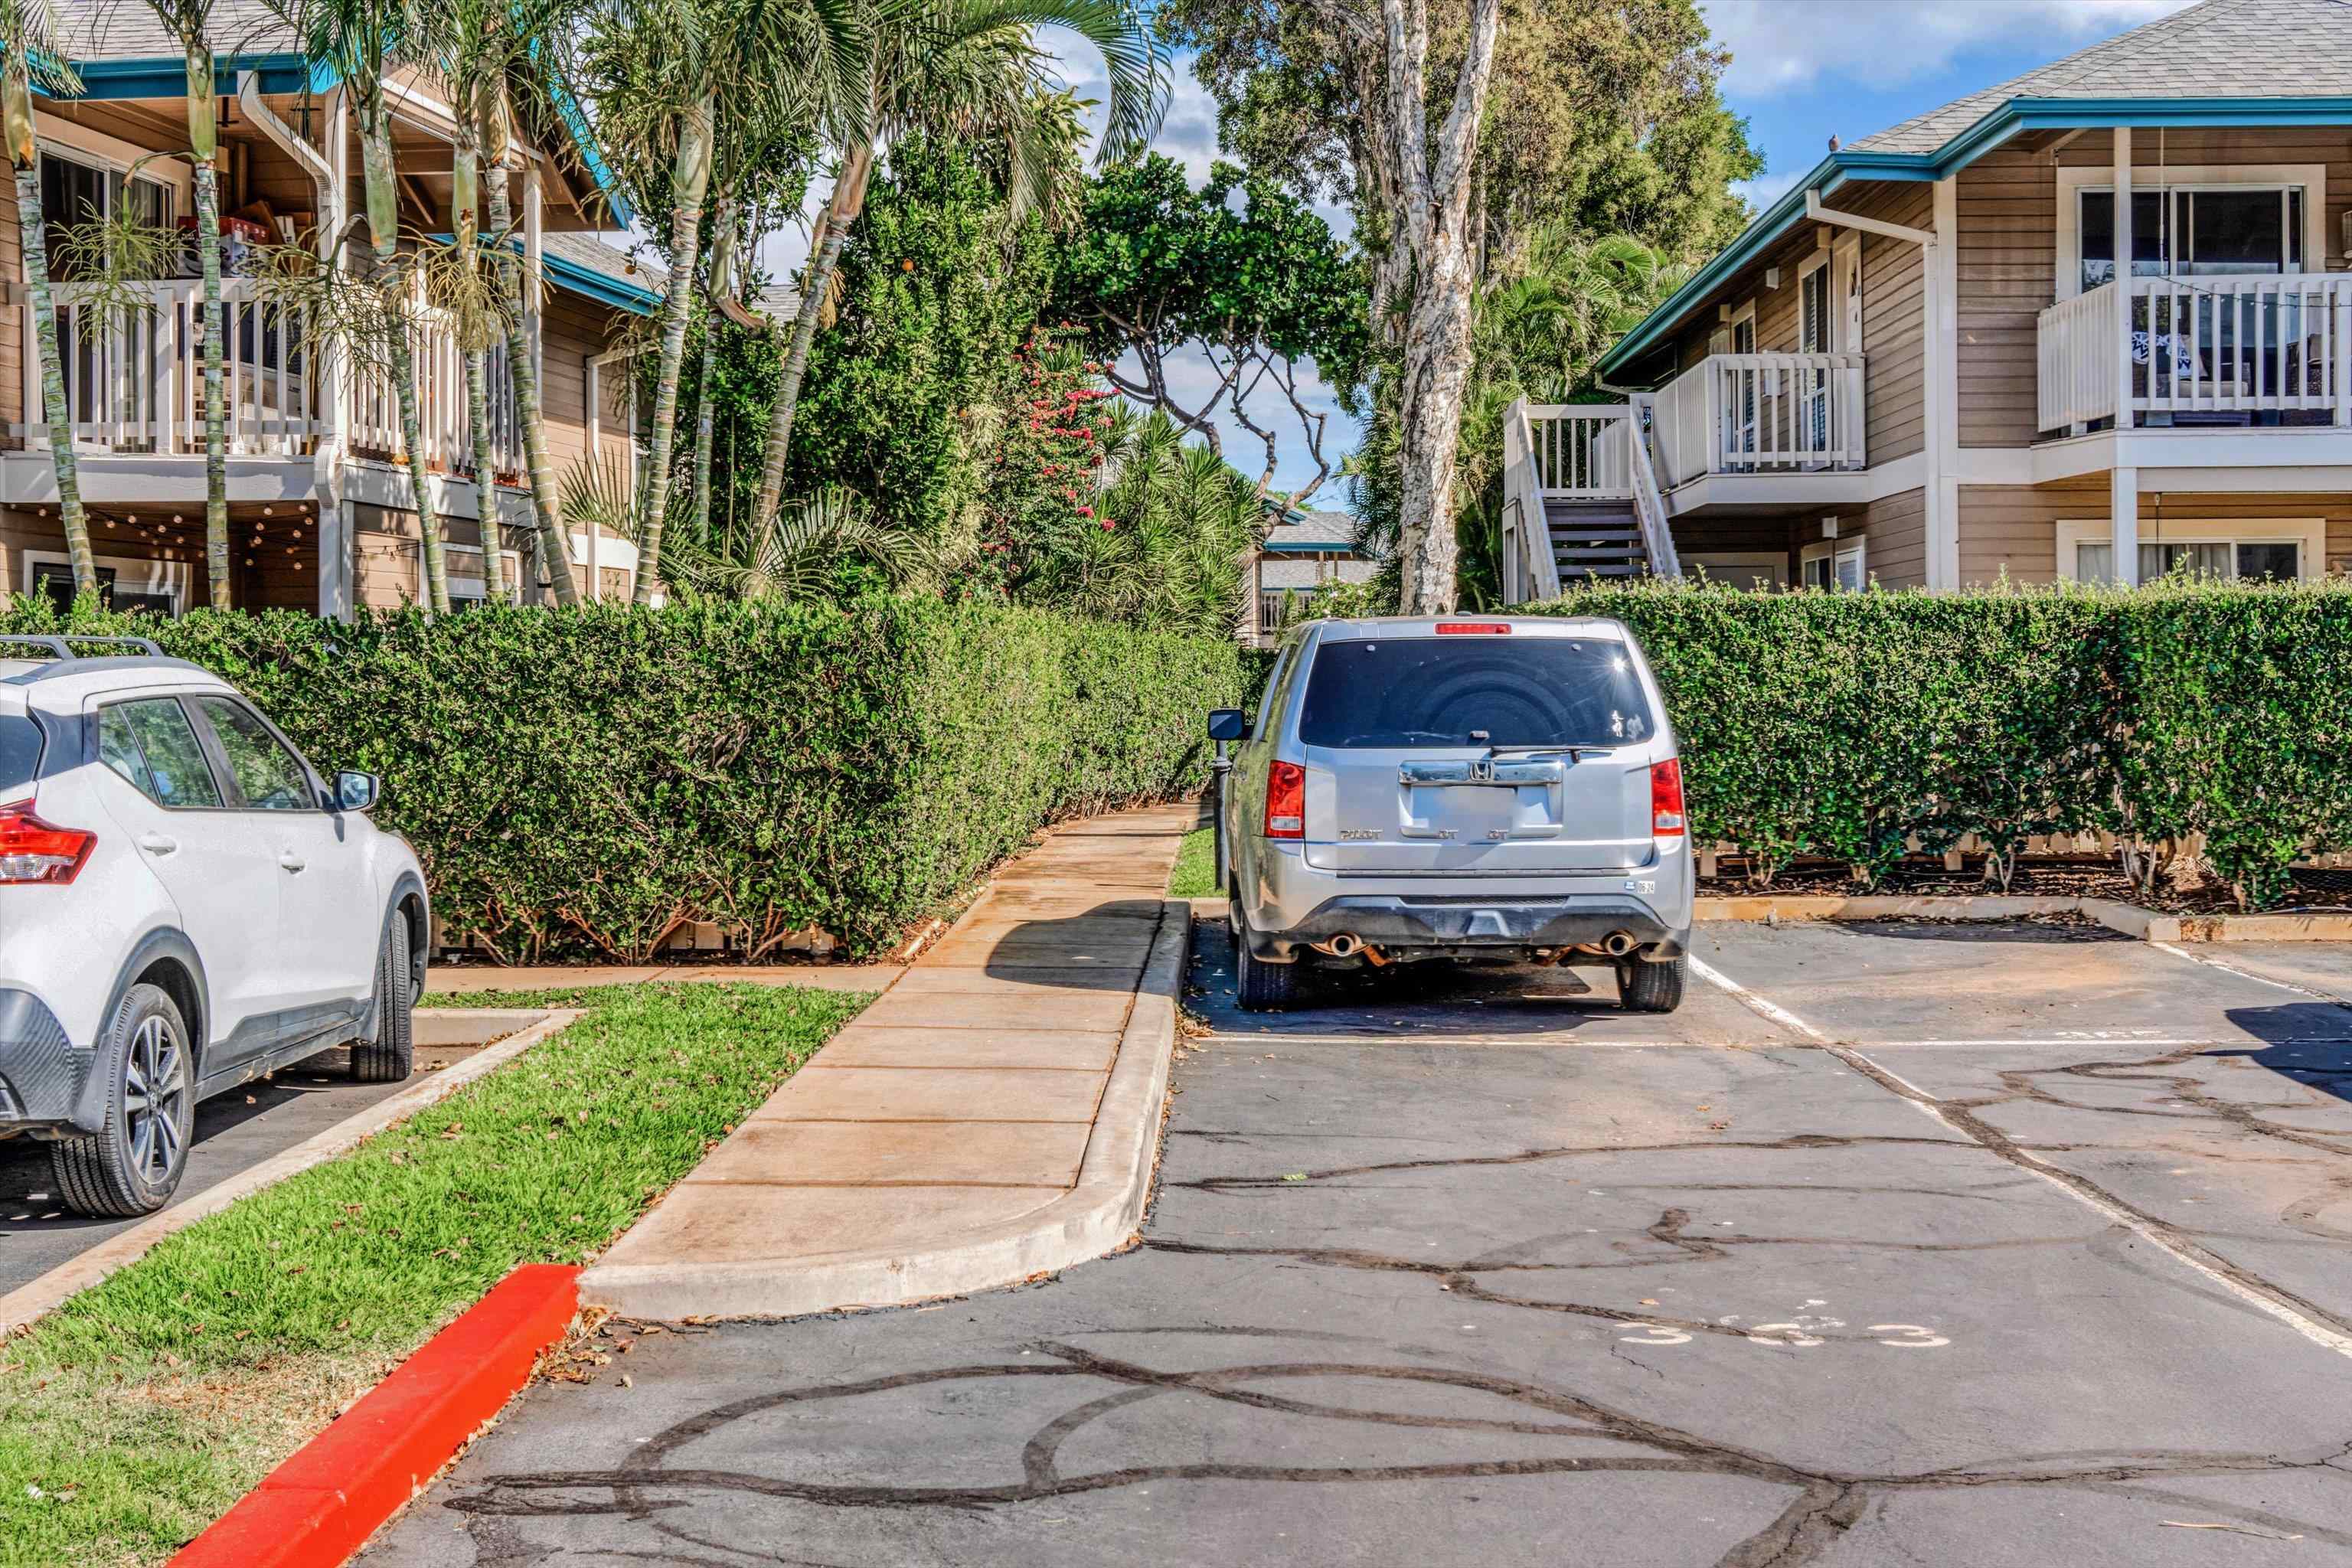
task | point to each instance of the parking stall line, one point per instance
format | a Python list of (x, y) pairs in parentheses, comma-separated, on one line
[(2226, 967), (2261, 1295)]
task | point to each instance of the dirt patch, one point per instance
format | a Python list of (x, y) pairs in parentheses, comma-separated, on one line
[(2311, 891)]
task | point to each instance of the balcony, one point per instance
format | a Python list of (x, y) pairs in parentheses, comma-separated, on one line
[(135, 384), (2264, 350), (1760, 414)]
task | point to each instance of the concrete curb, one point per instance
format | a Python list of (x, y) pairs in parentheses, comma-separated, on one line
[(1096, 1216), (30, 1300), (343, 1486), (2131, 920)]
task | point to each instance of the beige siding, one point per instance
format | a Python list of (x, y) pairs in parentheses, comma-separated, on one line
[(2013, 529), (1895, 530), (2007, 203)]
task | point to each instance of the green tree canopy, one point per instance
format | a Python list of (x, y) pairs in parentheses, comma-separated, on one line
[(1259, 286)]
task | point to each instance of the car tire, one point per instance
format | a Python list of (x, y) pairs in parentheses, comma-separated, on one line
[(1643, 986), (1264, 987), (392, 1055), (130, 1165)]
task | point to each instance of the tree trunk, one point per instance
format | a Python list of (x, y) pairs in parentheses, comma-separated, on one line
[(555, 551), (384, 234), (204, 137), (840, 210), (1435, 182), (465, 201), (688, 174), (17, 108), (1436, 369), (722, 269)]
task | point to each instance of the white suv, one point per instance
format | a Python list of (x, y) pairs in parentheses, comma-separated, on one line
[(184, 905)]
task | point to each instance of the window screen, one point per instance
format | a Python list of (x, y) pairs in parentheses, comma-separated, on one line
[(1473, 690)]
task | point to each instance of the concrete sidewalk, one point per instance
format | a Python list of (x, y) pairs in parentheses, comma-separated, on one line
[(994, 1115)]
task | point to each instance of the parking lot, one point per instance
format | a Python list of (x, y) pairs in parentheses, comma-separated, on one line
[(1899, 1243)]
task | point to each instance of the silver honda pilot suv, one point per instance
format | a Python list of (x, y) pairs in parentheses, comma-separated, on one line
[(1458, 787)]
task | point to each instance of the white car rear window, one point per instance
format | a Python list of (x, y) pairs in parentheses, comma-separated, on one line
[(1474, 691), (20, 751)]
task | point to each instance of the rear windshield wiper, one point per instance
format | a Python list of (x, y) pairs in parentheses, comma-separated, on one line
[(1574, 749)]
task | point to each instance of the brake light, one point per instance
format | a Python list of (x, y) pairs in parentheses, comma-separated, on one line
[(1285, 801), (32, 850), (1474, 628), (1666, 798)]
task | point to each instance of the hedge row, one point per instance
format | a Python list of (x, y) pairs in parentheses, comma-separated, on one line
[(1849, 725), (584, 782)]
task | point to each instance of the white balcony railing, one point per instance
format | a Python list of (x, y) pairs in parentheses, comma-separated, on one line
[(1579, 453), (135, 383), (1756, 413), (2269, 348), (443, 422)]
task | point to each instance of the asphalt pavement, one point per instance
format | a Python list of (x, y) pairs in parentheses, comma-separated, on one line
[(1943, 1245)]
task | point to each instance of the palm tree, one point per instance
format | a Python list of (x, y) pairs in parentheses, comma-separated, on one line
[(964, 67), (669, 72), (361, 40), (28, 35), (494, 123), (189, 22), (484, 42)]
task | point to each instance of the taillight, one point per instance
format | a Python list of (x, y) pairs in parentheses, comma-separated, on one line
[(1285, 801), (33, 852), (1474, 628), (1666, 798)]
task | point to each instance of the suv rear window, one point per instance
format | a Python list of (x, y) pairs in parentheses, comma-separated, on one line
[(20, 750), (1474, 691)]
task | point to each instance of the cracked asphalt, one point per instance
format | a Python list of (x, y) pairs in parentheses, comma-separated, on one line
[(1941, 1245)]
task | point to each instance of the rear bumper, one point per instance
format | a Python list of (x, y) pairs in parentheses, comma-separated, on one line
[(43, 1079), (1469, 922)]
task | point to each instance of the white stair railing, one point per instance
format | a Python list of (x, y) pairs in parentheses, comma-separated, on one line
[(1649, 503), (1531, 572)]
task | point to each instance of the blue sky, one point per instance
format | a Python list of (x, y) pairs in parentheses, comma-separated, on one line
[(1801, 71)]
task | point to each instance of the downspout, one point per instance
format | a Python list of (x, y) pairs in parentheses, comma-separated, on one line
[(327, 466), (1941, 521)]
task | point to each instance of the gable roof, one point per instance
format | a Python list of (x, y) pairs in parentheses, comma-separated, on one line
[(1325, 532), (2223, 62), (2222, 48)]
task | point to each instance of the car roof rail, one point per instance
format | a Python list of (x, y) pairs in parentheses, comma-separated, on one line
[(62, 647)]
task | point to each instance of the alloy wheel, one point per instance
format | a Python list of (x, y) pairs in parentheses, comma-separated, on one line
[(154, 1088)]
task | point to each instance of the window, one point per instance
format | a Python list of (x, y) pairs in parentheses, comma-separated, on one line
[(123, 584), (1835, 568), (2198, 231), (2094, 560), (267, 776), (20, 750), (171, 769), (1472, 691)]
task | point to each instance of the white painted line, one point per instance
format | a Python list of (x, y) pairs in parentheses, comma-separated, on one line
[(1752, 1002), (2317, 1332), (2229, 968), (1548, 1041)]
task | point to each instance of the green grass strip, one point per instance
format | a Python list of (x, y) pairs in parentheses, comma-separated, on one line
[(140, 1411), (1195, 874)]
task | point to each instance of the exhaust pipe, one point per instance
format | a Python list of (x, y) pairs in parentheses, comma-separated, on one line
[(1618, 943), (1344, 945)]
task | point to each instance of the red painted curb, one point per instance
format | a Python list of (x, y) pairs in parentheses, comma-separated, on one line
[(320, 1506)]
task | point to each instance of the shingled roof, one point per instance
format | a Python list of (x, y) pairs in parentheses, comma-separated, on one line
[(129, 30), (2222, 48)]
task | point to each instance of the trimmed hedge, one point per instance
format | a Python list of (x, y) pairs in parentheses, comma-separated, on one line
[(1847, 725), (586, 780)]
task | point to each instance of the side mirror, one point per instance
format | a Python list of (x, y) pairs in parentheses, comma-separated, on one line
[(1228, 724), (357, 791)]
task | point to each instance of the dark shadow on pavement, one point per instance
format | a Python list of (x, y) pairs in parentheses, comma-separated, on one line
[(2309, 1043)]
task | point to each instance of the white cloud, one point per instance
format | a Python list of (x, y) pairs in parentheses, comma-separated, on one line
[(1765, 189), (1788, 46)]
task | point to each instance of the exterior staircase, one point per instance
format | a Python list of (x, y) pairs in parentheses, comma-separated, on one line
[(1593, 540)]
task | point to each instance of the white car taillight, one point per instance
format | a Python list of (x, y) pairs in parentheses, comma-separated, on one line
[(32, 850)]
